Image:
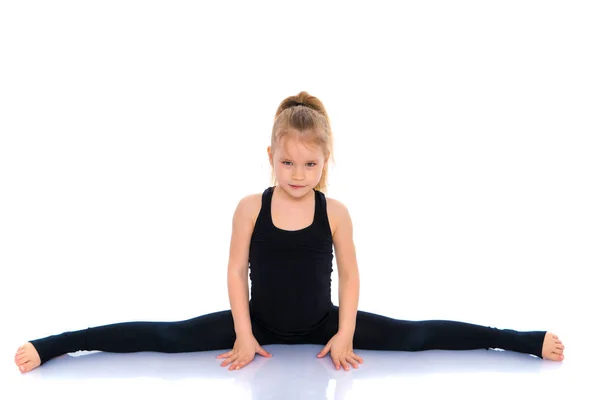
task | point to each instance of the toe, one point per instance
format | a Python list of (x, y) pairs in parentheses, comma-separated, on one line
[(26, 367), (22, 359), (556, 357)]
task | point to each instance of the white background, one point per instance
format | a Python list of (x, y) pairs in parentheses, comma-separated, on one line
[(466, 149)]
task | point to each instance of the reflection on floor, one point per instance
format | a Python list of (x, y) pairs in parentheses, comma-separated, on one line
[(294, 372)]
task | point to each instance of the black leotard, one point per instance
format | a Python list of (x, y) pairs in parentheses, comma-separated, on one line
[(290, 271)]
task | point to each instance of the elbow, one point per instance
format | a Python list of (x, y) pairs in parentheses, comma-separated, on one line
[(349, 278)]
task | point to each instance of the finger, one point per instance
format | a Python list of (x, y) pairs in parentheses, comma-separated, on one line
[(228, 361), (237, 365), (242, 364), (344, 364), (358, 358), (263, 352), (234, 362), (336, 362), (324, 352), (352, 361), (227, 354)]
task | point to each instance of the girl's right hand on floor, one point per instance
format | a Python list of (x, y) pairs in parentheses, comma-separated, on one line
[(243, 352)]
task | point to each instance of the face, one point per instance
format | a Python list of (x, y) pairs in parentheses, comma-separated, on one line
[(298, 167)]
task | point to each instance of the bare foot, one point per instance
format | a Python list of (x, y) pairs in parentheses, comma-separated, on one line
[(552, 348), (27, 358)]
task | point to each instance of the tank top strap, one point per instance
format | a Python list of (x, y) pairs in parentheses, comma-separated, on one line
[(265, 207), (321, 218)]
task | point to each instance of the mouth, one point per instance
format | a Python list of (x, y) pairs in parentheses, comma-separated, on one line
[(296, 186)]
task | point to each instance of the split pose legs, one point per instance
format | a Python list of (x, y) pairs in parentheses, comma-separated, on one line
[(215, 331)]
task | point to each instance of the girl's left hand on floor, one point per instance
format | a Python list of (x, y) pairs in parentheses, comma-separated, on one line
[(340, 347)]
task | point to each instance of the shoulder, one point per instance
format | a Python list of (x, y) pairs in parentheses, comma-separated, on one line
[(338, 214), (249, 206)]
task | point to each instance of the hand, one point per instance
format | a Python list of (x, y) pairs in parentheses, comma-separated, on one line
[(340, 346), (244, 350)]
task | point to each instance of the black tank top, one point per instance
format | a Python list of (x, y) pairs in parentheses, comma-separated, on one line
[(290, 271)]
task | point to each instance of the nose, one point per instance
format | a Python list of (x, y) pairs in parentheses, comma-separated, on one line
[(298, 173)]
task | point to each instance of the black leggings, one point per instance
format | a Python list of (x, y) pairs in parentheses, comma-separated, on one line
[(215, 331)]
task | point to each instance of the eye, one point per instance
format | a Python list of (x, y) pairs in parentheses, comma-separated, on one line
[(311, 164), (286, 163)]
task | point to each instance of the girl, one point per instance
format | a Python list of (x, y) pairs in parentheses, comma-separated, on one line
[(285, 237)]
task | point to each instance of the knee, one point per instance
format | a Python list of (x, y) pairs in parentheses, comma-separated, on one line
[(416, 339), (167, 338)]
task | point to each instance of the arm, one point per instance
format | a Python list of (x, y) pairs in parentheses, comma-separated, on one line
[(349, 283), (340, 345), (237, 270), (245, 346)]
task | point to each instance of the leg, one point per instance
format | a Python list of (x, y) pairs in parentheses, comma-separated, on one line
[(213, 331), (378, 332)]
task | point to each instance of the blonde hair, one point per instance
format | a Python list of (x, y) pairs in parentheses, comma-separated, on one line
[(306, 115)]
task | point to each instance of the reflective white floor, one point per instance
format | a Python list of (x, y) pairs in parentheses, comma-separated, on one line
[(294, 372)]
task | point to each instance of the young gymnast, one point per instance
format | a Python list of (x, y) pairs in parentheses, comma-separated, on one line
[(285, 237)]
